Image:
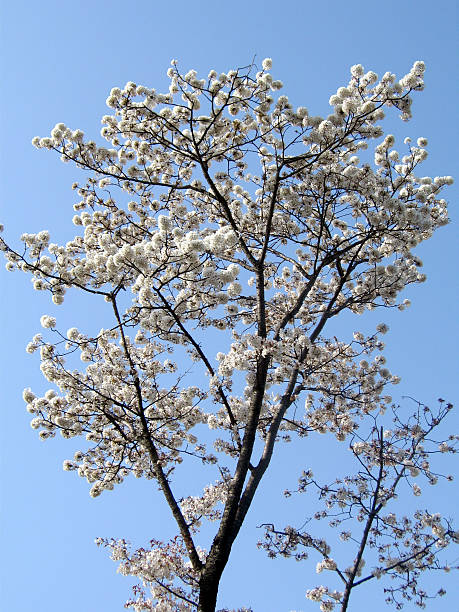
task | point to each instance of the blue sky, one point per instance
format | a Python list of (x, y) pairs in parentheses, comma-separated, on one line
[(59, 60)]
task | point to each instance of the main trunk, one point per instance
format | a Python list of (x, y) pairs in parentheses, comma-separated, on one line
[(209, 583), (230, 524)]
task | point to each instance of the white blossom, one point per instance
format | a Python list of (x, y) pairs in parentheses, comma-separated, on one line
[(47, 321)]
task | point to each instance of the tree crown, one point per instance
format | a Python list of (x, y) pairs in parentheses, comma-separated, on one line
[(221, 214)]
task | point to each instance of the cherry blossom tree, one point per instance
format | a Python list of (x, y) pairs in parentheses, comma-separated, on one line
[(219, 215), (401, 546)]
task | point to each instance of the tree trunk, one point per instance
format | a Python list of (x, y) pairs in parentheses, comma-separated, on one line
[(230, 524), (209, 583)]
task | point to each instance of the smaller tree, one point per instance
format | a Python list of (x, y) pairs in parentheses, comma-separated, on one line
[(401, 546), (219, 215)]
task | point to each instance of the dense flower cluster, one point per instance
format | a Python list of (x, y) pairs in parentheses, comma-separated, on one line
[(163, 566), (225, 214)]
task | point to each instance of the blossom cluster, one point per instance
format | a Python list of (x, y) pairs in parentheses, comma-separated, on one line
[(163, 566)]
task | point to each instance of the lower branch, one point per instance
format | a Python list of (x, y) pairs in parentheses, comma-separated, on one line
[(159, 472)]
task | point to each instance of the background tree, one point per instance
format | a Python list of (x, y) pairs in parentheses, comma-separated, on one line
[(225, 211)]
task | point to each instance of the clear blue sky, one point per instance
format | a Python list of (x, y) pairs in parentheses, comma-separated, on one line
[(59, 60)]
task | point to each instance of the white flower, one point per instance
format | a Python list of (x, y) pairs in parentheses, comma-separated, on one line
[(47, 321), (316, 594), (96, 490), (36, 423), (267, 63), (234, 289), (73, 333), (327, 564), (28, 396), (357, 70), (164, 223)]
